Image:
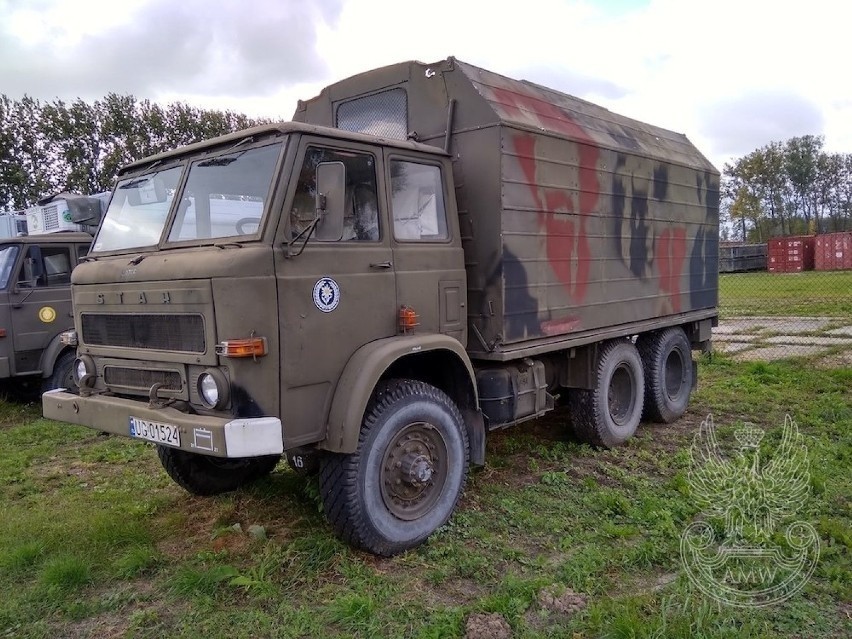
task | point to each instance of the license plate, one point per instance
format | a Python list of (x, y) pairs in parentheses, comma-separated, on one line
[(155, 432)]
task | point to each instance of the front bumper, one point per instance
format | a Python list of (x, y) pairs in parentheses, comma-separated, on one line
[(214, 436)]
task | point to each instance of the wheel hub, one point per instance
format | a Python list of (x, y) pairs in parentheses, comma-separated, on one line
[(414, 471)]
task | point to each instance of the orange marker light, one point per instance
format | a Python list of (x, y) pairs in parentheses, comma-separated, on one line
[(408, 319), (250, 347)]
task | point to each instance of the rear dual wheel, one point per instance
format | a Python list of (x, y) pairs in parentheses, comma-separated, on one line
[(669, 376), (608, 414)]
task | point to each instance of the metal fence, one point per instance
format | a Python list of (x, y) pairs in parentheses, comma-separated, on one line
[(789, 297)]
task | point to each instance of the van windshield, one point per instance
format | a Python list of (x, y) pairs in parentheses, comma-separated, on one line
[(223, 196)]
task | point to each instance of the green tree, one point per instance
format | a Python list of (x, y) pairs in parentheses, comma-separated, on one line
[(80, 146)]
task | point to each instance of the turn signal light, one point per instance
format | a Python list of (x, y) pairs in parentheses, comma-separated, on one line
[(250, 347), (2, 332), (408, 319)]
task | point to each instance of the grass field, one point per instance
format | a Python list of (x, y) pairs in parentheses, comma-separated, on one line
[(95, 540), (812, 293)]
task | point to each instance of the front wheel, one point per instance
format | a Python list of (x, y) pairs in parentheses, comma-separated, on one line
[(407, 475), (203, 475), (63, 373)]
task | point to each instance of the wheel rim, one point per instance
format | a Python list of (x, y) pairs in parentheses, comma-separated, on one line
[(674, 374), (622, 394), (414, 471)]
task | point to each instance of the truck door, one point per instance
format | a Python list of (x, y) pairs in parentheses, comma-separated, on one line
[(336, 295), (8, 261), (40, 302), (427, 253)]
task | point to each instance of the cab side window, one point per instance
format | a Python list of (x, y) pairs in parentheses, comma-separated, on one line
[(361, 218), (417, 202), (46, 266)]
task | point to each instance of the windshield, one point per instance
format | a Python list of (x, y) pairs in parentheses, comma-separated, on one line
[(8, 255), (137, 212), (223, 196)]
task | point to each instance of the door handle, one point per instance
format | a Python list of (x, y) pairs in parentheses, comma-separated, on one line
[(386, 264)]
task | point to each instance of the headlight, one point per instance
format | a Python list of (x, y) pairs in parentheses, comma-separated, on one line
[(213, 388), (85, 371)]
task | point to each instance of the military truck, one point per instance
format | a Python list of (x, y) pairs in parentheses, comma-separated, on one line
[(428, 253), (39, 248)]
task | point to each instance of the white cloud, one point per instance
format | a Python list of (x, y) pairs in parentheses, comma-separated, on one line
[(731, 74)]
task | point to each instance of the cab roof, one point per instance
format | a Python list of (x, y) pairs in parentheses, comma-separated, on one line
[(271, 131)]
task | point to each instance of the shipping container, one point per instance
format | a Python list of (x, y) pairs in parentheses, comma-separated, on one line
[(834, 252), (737, 258), (792, 254)]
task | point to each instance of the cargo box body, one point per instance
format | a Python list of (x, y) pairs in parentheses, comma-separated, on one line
[(574, 219)]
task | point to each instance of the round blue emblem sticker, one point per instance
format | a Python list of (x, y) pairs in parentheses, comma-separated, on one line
[(326, 294)]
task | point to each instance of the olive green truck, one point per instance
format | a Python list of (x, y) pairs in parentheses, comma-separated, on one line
[(39, 248), (427, 253)]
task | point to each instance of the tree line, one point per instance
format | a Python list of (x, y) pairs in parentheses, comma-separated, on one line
[(787, 188), (49, 147)]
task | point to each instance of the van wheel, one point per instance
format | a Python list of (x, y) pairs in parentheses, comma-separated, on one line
[(406, 477), (667, 360), (203, 475), (609, 414), (63, 373)]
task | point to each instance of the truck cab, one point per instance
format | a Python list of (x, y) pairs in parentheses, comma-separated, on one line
[(35, 306)]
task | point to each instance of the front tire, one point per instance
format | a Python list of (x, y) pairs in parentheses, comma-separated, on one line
[(63, 373), (407, 475), (608, 414), (204, 476)]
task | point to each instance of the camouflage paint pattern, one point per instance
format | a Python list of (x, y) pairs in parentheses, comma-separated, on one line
[(574, 218)]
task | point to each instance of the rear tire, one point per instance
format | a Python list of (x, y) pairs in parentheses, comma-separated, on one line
[(63, 373), (204, 476), (667, 361), (609, 414), (406, 477)]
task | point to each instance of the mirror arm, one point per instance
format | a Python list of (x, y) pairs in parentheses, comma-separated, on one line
[(20, 302), (309, 230)]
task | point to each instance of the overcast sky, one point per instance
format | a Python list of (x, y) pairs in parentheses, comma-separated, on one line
[(732, 75)]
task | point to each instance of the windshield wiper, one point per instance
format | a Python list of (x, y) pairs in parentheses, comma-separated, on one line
[(218, 162), (134, 183)]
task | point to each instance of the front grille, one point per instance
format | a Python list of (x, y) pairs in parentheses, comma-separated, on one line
[(141, 378), (177, 332)]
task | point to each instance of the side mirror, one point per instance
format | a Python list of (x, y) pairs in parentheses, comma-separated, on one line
[(331, 192), (33, 268), (85, 210)]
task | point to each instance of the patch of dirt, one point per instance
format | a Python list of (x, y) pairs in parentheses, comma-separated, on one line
[(843, 359), (561, 601), (114, 623), (490, 625), (555, 605)]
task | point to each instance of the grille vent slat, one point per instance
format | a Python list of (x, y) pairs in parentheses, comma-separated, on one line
[(175, 332), (141, 378)]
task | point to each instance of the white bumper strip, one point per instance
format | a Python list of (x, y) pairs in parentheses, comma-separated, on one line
[(253, 437)]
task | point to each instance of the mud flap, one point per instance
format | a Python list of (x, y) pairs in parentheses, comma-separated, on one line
[(475, 437)]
